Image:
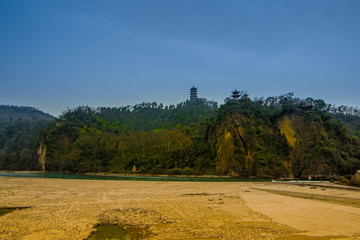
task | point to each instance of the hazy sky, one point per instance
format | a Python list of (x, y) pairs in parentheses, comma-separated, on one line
[(56, 54)]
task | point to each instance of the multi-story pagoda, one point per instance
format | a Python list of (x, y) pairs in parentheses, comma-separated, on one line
[(235, 94), (193, 93)]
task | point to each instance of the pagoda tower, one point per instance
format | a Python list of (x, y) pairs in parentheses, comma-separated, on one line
[(193, 93), (235, 94)]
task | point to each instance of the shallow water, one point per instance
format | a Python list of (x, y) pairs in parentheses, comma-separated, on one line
[(129, 177)]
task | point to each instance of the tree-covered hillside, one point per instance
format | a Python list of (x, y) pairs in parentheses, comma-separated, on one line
[(12, 114), (20, 130), (149, 137), (281, 136), (276, 137)]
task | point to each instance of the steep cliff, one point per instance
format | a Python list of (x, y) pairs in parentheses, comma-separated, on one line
[(253, 140), (248, 144), (319, 146)]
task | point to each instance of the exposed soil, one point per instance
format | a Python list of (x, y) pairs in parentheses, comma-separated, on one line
[(355, 202), (71, 209)]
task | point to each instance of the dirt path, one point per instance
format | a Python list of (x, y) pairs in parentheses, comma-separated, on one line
[(69, 209)]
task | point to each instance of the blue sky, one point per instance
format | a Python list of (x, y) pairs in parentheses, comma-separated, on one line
[(58, 54)]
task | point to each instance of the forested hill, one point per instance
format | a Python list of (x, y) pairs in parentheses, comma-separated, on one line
[(20, 130), (283, 137), (274, 137), (280, 136), (12, 114), (152, 137)]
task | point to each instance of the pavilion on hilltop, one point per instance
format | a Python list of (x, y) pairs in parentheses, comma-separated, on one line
[(235, 94), (193, 93)]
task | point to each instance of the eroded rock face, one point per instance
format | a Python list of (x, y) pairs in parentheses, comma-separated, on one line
[(42, 153), (132, 216)]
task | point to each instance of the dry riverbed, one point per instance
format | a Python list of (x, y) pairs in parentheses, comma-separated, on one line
[(70, 209)]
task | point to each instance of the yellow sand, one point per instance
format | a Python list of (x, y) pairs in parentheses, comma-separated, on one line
[(69, 209)]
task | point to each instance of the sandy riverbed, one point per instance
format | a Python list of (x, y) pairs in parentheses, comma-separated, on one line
[(69, 209)]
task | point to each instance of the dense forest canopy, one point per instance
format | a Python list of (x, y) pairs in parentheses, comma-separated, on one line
[(281, 136), (152, 137)]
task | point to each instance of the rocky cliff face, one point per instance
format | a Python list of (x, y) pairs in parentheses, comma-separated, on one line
[(42, 154), (305, 138), (248, 146), (319, 146), (299, 144)]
